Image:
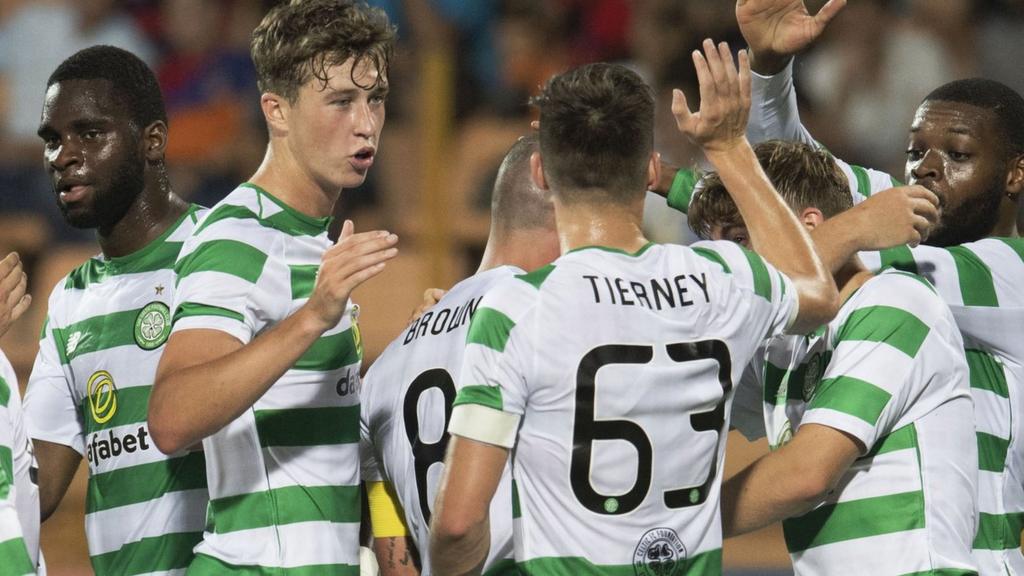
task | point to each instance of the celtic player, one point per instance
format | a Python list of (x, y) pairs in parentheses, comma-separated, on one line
[(104, 131), (263, 362), (871, 416), (409, 390), (612, 370)]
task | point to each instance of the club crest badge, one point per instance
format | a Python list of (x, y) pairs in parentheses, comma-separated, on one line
[(152, 325), (660, 552)]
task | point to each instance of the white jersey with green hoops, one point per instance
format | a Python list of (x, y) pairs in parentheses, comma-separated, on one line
[(283, 476), (612, 374), (19, 496), (407, 402), (890, 372), (106, 326)]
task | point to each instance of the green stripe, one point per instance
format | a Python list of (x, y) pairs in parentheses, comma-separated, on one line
[(6, 468), (132, 404), (898, 257), (490, 328), (538, 276), (189, 309), (610, 250), (288, 220), (205, 565), (489, 396), (287, 505), (943, 572), (715, 257), (986, 372), (308, 426), (681, 191), (893, 326), (857, 519), (773, 378), (976, 285), (303, 277), (505, 567), (1015, 244), (903, 438), (330, 353), (135, 484), (153, 554), (225, 256), (999, 531), (894, 182), (5, 392), (14, 559), (762, 281), (863, 180), (516, 510), (96, 333), (851, 396), (703, 564), (992, 452)]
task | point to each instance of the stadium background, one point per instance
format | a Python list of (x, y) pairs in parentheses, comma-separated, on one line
[(460, 80)]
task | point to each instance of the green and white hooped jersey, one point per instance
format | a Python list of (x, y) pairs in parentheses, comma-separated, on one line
[(406, 404), (283, 476), (981, 282), (106, 326), (19, 496), (612, 374), (890, 371)]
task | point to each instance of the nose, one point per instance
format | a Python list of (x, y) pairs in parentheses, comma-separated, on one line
[(364, 122), (928, 167), (64, 156)]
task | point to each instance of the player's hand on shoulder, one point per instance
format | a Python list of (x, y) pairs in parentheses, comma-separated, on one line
[(353, 260), (13, 285), (431, 296), (721, 121), (775, 30), (897, 216)]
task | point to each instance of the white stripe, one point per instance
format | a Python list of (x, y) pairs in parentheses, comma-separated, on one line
[(484, 424), (325, 465), (302, 544), (899, 470), (896, 553), (174, 512)]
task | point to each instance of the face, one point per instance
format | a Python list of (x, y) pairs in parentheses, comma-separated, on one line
[(94, 157), (953, 153), (334, 130), (732, 232)]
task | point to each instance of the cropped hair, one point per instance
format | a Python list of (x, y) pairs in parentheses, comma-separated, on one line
[(805, 177), (133, 81), (516, 203), (1003, 101), (302, 39), (596, 132)]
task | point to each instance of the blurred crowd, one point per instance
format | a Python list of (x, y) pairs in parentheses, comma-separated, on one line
[(484, 58)]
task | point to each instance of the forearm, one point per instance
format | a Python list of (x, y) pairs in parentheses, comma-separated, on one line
[(194, 399), (759, 496), (460, 553), (394, 556), (774, 114), (836, 239), (57, 467)]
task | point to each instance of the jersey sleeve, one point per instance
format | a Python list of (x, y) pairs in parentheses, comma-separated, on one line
[(869, 384), (774, 303), (51, 412), (369, 465), (748, 403), (14, 556), (491, 392), (227, 275)]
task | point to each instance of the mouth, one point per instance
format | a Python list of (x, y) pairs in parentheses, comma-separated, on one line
[(71, 192), (363, 159)]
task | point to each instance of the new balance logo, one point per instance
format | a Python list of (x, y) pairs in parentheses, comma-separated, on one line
[(72, 344)]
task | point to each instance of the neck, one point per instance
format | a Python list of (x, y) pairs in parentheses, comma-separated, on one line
[(527, 249), (155, 210), (281, 175), (607, 224), (1006, 224), (850, 277)]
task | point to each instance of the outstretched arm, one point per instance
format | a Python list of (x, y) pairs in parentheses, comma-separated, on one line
[(719, 127)]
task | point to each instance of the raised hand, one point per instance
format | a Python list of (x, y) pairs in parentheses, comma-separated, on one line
[(353, 260), (721, 121), (13, 284), (775, 30), (897, 216)]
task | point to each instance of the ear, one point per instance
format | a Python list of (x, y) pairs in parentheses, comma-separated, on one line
[(537, 172), (1015, 178), (154, 141), (276, 110), (654, 171), (811, 218)]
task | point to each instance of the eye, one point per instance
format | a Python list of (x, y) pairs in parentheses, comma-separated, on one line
[(91, 134), (379, 98), (958, 156), (342, 102), (914, 154)]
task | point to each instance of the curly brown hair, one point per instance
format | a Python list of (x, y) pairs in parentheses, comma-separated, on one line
[(302, 39), (805, 177)]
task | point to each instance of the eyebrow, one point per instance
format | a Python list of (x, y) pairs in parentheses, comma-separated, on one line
[(76, 126)]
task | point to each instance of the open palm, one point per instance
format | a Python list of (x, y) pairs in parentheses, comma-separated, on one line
[(782, 27)]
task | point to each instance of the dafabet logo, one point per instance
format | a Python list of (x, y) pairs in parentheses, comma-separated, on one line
[(102, 396)]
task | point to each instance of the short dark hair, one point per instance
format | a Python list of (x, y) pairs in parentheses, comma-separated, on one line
[(301, 39), (132, 80), (596, 131), (516, 203), (1003, 101), (805, 177)]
